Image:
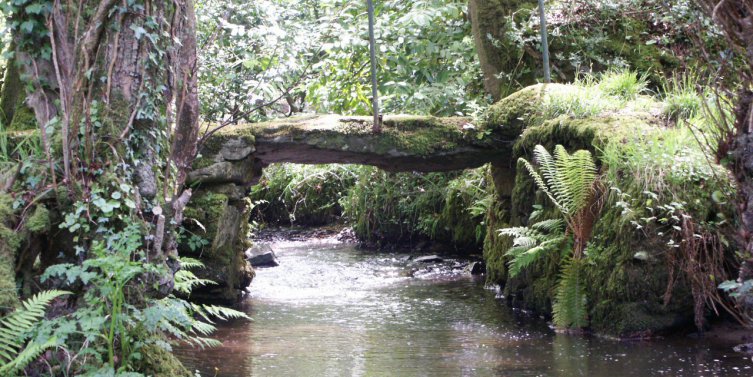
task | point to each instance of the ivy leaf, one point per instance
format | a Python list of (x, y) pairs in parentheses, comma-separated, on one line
[(138, 31), (27, 26), (35, 8)]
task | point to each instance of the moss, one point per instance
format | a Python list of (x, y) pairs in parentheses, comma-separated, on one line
[(39, 221), (157, 362), (207, 208), (23, 119), (507, 118), (401, 135), (626, 294), (495, 246), (225, 228), (9, 244), (500, 55), (635, 319), (12, 91)]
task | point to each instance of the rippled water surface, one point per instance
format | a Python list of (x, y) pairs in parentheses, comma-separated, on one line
[(332, 310)]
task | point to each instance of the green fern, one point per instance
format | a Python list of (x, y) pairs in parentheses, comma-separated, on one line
[(567, 179), (530, 244), (570, 182), (15, 354), (570, 305)]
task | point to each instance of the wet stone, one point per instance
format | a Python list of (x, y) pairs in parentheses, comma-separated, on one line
[(429, 259), (476, 268), (262, 255)]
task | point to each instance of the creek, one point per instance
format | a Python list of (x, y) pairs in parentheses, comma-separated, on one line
[(330, 309)]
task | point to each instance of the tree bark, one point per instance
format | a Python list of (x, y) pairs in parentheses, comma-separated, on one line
[(118, 74), (736, 147), (504, 64)]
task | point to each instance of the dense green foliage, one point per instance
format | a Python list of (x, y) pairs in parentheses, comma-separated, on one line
[(666, 206), (118, 324), (388, 209), (301, 194), (274, 58), (660, 249), (383, 208)]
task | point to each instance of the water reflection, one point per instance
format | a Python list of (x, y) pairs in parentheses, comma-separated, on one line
[(331, 310)]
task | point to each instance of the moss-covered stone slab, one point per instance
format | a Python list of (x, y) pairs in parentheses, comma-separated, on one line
[(406, 143)]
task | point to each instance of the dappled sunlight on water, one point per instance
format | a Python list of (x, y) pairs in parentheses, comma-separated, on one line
[(332, 310)]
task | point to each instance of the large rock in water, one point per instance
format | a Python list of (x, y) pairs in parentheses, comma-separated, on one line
[(476, 268), (262, 255)]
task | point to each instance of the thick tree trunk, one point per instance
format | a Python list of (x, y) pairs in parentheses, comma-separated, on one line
[(504, 64), (11, 91), (118, 74)]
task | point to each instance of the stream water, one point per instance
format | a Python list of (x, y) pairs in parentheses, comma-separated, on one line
[(330, 309)]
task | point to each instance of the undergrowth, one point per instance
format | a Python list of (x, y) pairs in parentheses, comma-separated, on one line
[(302, 194)]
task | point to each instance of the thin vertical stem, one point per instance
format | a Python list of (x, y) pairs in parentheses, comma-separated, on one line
[(372, 51), (544, 42)]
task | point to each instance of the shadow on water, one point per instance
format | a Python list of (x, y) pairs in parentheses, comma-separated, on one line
[(332, 310)]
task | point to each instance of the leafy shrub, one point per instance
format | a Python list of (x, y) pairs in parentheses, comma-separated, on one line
[(117, 319)]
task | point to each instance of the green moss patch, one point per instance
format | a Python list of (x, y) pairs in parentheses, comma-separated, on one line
[(401, 135)]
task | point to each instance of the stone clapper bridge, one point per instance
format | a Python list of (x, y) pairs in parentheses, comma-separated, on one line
[(231, 160)]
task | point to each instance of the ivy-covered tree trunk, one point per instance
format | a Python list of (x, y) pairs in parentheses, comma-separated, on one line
[(113, 88), (505, 64)]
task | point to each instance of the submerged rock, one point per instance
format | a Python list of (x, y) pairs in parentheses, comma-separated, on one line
[(262, 255)]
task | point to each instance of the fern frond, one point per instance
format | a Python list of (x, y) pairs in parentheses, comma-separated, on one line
[(578, 172), (517, 231), (549, 226), (14, 330), (527, 242), (224, 313), (204, 342), (25, 357), (203, 328), (558, 182), (524, 259), (570, 304), (190, 263), (541, 184), (186, 281)]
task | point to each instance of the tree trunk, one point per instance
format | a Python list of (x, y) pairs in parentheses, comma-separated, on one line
[(504, 64), (108, 78), (736, 146)]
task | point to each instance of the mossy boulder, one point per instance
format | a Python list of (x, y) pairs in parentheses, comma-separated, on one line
[(157, 362), (629, 269)]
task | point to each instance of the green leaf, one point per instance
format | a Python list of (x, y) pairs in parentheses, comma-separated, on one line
[(35, 8), (27, 26)]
